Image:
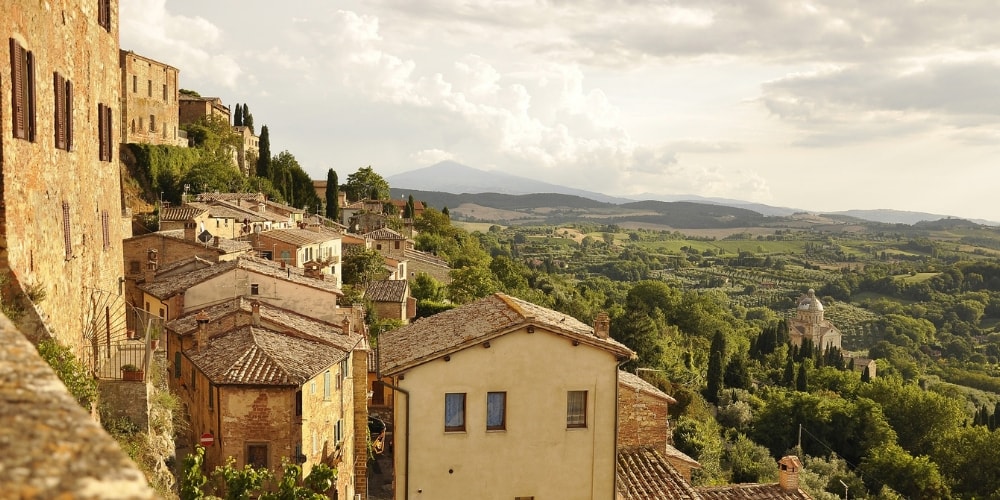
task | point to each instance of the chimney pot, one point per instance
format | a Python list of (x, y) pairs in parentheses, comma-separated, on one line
[(255, 311)]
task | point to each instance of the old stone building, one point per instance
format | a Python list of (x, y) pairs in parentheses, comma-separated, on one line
[(150, 109), (248, 150), (61, 212), (193, 108), (809, 323), (270, 384)]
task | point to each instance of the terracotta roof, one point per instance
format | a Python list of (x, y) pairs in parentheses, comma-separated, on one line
[(671, 452), (184, 213), (273, 318), (197, 261), (173, 285), (300, 237), (643, 474), (249, 210), (449, 331), (258, 356), (770, 491), (636, 382), (257, 197), (351, 239), (226, 245), (284, 208), (387, 291), (384, 234), (425, 258), (221, 210)]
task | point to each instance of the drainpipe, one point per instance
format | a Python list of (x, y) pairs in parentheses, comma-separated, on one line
[(614, 476), (406, 426)]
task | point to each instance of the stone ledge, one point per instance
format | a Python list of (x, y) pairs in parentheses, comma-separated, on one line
[(49, 446)]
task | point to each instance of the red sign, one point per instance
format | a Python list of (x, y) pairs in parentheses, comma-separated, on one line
[(207, 439)]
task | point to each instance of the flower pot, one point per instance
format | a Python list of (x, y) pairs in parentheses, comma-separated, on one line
[(154, 343)]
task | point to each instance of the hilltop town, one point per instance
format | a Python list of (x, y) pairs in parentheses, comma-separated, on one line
[(187, 314)]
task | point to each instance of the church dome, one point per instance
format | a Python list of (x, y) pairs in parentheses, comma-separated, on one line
[(809, 302)]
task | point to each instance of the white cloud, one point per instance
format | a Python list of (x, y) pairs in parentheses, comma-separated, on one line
[(431, 156)]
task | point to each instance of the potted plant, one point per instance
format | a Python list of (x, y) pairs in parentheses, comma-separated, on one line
[(131, 372), (154, 338)]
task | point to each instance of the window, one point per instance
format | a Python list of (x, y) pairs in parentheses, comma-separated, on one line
[(298, 403), (164, 92), (152, 123), (496, 411), (177, 364), (254, 289), (193, 379), (135, 84), (63, 116), (211, 398), (326, 385), (257, 455), (345, 368), (397, 245), (149, 88), (454, 411), (104, 14), (104, 131), (134, 267), (105, 225), (338, 432), (576, 409), (378, 393), (67, 236), (22, 69)]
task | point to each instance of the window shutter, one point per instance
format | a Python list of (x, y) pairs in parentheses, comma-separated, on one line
[(105, 220), (59, 89), (17, 84), (29, 78), (177, 364), (67, 237), (100, 130), (107, 134), (69, 115)]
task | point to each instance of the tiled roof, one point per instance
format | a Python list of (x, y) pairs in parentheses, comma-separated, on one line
[(384, 233), (425, 258), (226, 245), (284, 208), (249, 210), (196, 260), (184, 213), (256, 197), (273, 318), (643, 474), (386, 291), (258, 356), (672, 452), (178, 284), (771, 491), (220, 210), (637, 383), (449, 331), (350, 239), (300, 237)]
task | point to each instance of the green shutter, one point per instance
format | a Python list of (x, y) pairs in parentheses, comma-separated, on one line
[(177, 364)]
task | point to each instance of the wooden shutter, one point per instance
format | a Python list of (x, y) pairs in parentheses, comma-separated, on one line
[(105, 222), (29, 74), (67, 237), (18, 104), (107, 134), (104, 14), (69, 115), (59, 89), (100, 130)]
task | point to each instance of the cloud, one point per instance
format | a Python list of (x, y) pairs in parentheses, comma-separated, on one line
[(431, 156), (168, 38)]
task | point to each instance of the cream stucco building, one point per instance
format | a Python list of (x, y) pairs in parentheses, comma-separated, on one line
[(503, 399)]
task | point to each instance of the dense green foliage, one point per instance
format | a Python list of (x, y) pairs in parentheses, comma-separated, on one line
[(73, 374), (232, 482)]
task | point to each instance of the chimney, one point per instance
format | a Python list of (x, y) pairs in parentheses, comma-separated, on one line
[(255, 311), (313, 271), (602, 326), (152, 262), (190, 230), (788, 473), (345, 328), (201, 337)]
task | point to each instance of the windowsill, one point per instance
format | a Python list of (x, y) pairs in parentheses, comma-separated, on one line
[(583, 428), (488, 431), (463, 431)]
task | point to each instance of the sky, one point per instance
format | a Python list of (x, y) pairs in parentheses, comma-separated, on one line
[(821, 106)]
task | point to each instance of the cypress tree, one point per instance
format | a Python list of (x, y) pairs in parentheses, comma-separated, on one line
[(715, 377), (264, 158), (445, 212), (866, 376), (788, 378), (800, 380), (248, 118), (237, 115), (332, 206)]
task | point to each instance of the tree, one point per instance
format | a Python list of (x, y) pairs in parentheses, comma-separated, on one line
[(716, 362), (446, 212), (332, 202), (363, 266), (264, 149), (410, 208), (193, 480), (247, 118), (801, 382), (914, 477), (237, 116), (750, 462), (470, 283), (364, 183)]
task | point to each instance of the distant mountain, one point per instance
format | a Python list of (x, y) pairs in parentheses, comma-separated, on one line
[(452, 177), (903, 217), (437, 181)]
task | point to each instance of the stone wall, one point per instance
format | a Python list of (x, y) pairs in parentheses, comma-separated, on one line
[(642, 419), (61, 208), (149, 104), (126, 399)]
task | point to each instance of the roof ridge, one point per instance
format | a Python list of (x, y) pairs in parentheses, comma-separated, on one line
[(512, 305)]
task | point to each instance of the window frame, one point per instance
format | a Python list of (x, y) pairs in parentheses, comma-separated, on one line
[(502, 426), (266, 455), (22, 69), (451, 398), (576, 414)]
